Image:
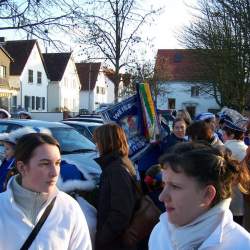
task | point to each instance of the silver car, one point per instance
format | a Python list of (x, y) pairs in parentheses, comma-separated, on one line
[(75, 148)]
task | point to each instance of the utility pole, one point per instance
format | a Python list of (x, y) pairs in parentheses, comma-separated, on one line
[(89, 84)]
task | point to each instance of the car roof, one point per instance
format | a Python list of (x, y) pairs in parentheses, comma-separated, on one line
[(89, 116), (83, 123), (81, 119), (33, 123)]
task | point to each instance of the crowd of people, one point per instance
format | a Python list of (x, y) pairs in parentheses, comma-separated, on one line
[(201, 185)]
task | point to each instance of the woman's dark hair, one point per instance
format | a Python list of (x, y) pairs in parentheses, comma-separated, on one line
[(200, 130), (238, 135), (209, 166), (28, 143)]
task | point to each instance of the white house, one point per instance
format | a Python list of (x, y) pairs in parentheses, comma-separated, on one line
[(179, 90), (27, 71), (96, 87), (6, 89), (64, 85)]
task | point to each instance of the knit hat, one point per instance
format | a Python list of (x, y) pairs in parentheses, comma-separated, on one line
[(234, 126), (5, 112), (234, 120), (204, 116), (24, 112)]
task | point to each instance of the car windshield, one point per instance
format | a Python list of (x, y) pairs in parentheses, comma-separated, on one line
[(92, 128), (71, 141)]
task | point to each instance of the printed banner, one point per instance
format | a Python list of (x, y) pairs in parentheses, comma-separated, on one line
[(128, 115)]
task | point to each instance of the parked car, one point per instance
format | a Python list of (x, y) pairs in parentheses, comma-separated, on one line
[(75, 147), (83, 119), (102, 107), (89, 116), (84, 128)]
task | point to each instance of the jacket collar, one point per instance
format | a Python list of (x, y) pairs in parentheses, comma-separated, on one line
[(106, 159)]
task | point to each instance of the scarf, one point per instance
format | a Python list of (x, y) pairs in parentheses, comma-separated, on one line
[(192, 235), (30, 202)]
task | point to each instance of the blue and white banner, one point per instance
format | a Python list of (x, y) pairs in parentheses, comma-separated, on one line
[(128, 115)]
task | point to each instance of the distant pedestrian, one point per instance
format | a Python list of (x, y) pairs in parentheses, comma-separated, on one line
[(178, 135), (246, 218), (233, 136), (24, 114), (184, 114), (9, 140), (4, 114), (201, 131), (30, 193)]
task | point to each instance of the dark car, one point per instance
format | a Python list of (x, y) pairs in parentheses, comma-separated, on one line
[(85, 128), (85, 119), (75, 147)]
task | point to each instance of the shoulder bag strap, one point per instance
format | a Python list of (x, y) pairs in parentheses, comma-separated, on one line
[(38, 226)]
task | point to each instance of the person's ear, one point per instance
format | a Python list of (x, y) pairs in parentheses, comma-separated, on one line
[(21, 168), (209, 194)]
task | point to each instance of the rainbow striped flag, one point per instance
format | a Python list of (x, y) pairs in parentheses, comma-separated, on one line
[(151, 124)]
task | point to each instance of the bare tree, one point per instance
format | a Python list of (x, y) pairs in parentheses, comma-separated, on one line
[(221, 35), (156, 74), (39, 18), (112, 27)]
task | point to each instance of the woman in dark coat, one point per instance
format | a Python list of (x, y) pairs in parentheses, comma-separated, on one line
[(117, 193)]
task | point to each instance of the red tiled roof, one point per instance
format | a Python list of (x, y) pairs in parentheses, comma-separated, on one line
[(178, 65), (20, 51), (56, 64), (84, 71)]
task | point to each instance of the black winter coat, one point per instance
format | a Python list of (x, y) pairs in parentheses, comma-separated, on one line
[(117, 199)]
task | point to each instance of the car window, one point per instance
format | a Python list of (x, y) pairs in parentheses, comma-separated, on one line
[(70, 140), (92, 128), (3, 128), (6, 128), (84, 131)]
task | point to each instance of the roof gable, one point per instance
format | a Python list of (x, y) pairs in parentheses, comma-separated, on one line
[(6, 53), (56, 64), (88, 73), (20, 51), (178, 65)]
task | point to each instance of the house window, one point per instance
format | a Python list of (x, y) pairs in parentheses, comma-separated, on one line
[(3, 71), (178, 57), (14, 101), (38, 104), (33, 102), (26, 102), (43, 103), (39, 77), (97, 90), (103, 91), (30, 76), (171, 103), (195, 90)]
